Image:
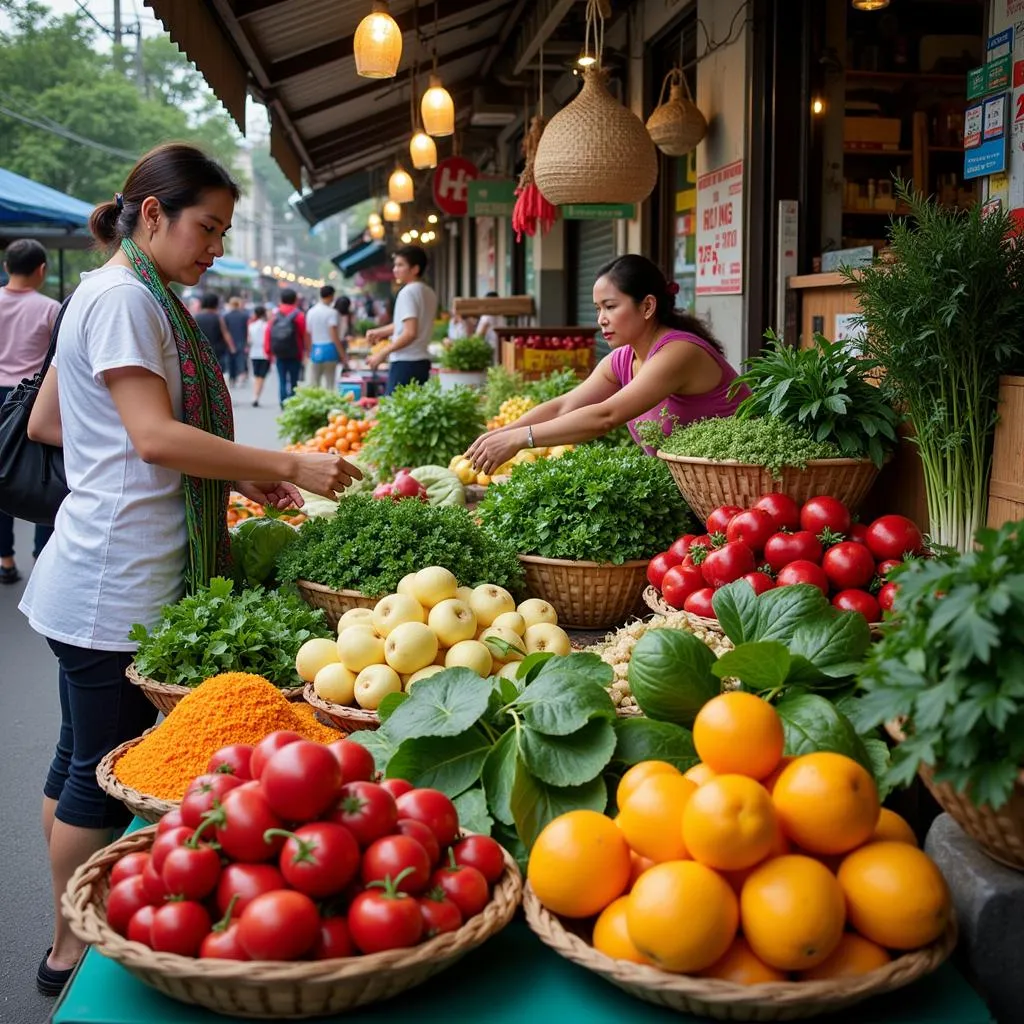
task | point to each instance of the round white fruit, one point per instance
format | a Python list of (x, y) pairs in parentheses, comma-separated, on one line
[(395, 609), (335, 683), (424, 673), (358, 647), (313, 655), (509, 670), (489, 601), (410, 647), (545, 638), (405, 585), (471, 654), (433, 585), (498, 651), (374, 683), (355, 617), (535, 611), (452, 620), (464, 593), (511, 620)]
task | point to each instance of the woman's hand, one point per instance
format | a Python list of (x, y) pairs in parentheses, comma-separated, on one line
[(279, 494), (496, 447), (324, 474), (375, 360)]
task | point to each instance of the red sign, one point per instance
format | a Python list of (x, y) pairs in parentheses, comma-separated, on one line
[(451, 185)]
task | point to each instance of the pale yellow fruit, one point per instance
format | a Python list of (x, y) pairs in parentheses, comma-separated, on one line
[(489, 601), (424, 673), (433, 585), (410, 646), (374, 683), (511, 620), (313, 655), (535, 610), (452, 620), (405, 585), (544, 638), (335, 683), (464, 593), (355, 617), (510, 670), (359, 646), (470, 654), (498, 652), (395, 609)]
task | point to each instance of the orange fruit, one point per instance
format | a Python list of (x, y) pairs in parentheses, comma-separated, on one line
[(853, 956), (738, 733), (699, 773), (729, 823), (579, 864), (637, 866), (637, 774), (792, 912), (651, 817), (682, 916), (892, 828), (769, 781), (827, 802), (611, 934), (779, 848), (740, 965), (895, 895)]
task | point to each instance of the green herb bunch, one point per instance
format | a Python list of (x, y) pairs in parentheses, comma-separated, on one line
[(309, 409), (825, 390), (767, 442), (501, 385), (221, 629), (594, 503), (554, 385), (362, 326), (371, 544), (419, 425), (467, 355), (952, 667), (439, 332)]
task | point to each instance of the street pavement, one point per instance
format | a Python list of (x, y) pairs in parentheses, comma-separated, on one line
[(29, 722)]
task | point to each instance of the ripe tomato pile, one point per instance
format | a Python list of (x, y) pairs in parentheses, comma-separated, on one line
[(778, 542), (287, 851)]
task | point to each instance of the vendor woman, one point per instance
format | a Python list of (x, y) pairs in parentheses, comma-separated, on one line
[(665, 365)]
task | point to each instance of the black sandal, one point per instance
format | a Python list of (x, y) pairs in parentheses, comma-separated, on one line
[(51, 982)]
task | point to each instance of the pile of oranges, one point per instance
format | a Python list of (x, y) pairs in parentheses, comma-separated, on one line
[(343, 435), (241, 508), (750, 867)]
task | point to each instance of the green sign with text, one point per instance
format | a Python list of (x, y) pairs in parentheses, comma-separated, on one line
[(491, 197), (989, 78), (598, 211)]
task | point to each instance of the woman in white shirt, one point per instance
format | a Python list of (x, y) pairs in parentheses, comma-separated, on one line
[(137, 400), (256, 331)]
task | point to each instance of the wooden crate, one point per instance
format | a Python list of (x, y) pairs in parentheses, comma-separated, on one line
[(536, 363), (1006, 486), (512, 305)]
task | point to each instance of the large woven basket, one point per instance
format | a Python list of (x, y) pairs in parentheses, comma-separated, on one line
[(164, 696), (587, 595), (263, 989), (333, 602), (706, 484), (726, 1000), (149, 808), (658, 604), (347, 718), (676, 124), (999, 833)]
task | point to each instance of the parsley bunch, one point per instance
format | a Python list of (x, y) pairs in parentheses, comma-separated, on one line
[(308, 410), (467, 355)]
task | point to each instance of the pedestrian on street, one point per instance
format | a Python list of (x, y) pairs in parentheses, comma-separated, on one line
[(138, 401), (260, 367), (236, 320), (285, 341), (26, 321), (327, 347), (211, 323)]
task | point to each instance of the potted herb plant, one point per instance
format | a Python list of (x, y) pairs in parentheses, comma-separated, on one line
[(466, 361)]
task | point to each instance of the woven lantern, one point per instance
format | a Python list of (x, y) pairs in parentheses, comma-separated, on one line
[(595, 150), (377, 231), (400, 186), (437, 108), (677, 125), (377, 45), (423, 151), (392, 211)]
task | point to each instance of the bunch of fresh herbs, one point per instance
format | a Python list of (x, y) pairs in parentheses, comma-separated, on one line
[(371, 544), (553, 385), (223, 629), (501, 385), (309, 409), (467, 355)]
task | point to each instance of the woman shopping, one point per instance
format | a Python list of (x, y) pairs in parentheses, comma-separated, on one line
[(137, 400), (665, 365)]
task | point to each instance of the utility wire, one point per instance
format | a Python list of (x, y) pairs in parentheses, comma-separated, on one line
[(68, 135)]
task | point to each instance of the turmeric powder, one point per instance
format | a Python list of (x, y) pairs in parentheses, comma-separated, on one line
[(233, 707)]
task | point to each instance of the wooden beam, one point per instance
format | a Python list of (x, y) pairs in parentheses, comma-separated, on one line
[(247, 8), (536, 31)]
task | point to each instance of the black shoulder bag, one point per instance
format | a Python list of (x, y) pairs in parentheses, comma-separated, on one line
[(32, 480)]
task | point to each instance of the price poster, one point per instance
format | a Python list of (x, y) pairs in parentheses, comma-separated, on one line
[(720, 231)]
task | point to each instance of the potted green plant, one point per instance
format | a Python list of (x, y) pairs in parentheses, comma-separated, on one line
[(466, 361)]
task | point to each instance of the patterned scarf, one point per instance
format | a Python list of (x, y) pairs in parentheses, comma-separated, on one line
[(207, 406)]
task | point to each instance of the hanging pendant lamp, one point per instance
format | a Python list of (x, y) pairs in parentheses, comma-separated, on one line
[(392, 211), (373, 219), (378, 43), (437, 109), (870, 5), (376, 230), (400, 186), (423, 151)]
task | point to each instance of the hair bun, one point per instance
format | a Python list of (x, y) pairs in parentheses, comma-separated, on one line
[(672, 288)]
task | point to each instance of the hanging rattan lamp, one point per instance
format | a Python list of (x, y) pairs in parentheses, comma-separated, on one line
[(392, 211), (400, 186), (377, 45), (677, 125)]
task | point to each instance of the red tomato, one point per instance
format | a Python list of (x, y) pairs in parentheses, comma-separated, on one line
[(858, 533), (246, 881), (243, 817), (423, 835), (130, 864), (355, 760), (172, 819), (680, 546), (702, 541), (825, 513), (434, 809), (396, 787), (887, 596), (760, 581), (679, 582), (367, 810), (319, 859), (282, 925), (233, 759), (658, 566), (153, 882), (802, 571), (752, 527), (191, 872), (783, 548), (334, 940), (848, 565), (124, 900), (782, 508), (223, 944), (728, 563), (201, 795), (858, 601), (166, 842), (721, 517), (267, 747), (464, 886), (179, 928), (894, 537), (140, 924), (399, 858), (886, 567), (699, 603), (301, 780), (380, 919), (439, 914), (483, 853)]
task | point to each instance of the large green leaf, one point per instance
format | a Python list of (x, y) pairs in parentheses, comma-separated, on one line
[(759, 665), (569, 760), (835, 644), (536, 804), (378, 743), (812, 723), (783, 610), (498, 776), (670, 675), (446, 704), (567, 692), (643, 739), (738, 611), (472, 810), (449, 763)]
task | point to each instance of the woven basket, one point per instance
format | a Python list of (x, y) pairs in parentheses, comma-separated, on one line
[(999, 833), (587, 595), (706, 484), (164, 696), (595, 150), (333, 602), (346, 718), (263, 989), (149, 808), (726, 1000), (676, 125), (658, 604)]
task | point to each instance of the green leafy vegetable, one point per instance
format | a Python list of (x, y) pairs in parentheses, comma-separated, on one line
[(644, 739), (670, 675), (812, 723), (501, 385), (255, 545), (309, 409), (443, 486), (467, 355), (554, 385)]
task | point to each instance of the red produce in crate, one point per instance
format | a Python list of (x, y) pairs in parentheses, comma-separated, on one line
[(658, 566), (679, 583), (783, 548), (886, 567), (782, 508), (894, 536), (699, 603), (825, 513), (729, 562), (887, 596), (858, 533), (802, 571), (721, 517), (681, 545), (760, 581), (858, 601), (848, 565), (752, 527)]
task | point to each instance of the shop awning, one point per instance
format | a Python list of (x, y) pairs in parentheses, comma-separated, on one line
[(318, 204), (360, 256), (228, 266), (23, 201)]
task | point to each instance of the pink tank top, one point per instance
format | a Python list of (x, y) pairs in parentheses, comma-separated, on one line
[(682, 408)]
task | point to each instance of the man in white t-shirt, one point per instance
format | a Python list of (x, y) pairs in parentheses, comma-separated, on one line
[(415, 310), (323, 323)]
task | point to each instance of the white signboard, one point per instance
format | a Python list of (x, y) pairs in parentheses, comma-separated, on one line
[(720, 231)]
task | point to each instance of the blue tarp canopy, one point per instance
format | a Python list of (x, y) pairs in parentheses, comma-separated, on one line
[(23, 201), (360, 256), (228, 266)]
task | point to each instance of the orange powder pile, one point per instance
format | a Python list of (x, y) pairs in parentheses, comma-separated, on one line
[(234, 707)]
